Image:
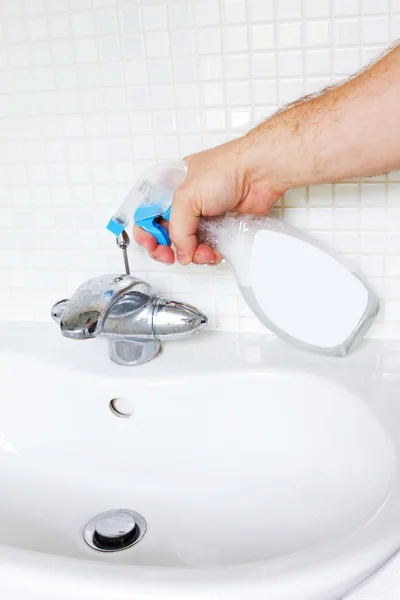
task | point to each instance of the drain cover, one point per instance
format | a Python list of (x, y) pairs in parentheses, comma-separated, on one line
[(114, 530)]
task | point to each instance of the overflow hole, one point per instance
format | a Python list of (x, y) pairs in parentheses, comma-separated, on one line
[(121, 407)]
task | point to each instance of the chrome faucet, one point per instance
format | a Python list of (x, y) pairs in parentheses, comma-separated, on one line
[(128, 312)]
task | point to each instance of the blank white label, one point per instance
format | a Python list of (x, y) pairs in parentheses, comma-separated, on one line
[(305, 291)]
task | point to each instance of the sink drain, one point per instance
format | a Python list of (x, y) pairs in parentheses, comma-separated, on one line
[(114, 530)]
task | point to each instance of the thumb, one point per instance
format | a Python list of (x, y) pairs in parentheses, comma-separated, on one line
[(184, 221)]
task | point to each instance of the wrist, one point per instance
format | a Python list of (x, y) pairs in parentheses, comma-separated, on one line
[(277, 149)]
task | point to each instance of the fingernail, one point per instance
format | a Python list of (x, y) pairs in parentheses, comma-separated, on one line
[(182, 257)]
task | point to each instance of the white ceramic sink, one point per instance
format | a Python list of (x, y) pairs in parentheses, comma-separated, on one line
[(262, 472)]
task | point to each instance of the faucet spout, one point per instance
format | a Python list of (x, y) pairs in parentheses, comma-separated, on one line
[(176, 320)]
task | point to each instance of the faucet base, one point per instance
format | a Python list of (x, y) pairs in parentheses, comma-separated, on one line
[(129, 352)]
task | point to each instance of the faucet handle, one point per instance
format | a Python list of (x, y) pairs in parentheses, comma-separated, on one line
[(84, 314)]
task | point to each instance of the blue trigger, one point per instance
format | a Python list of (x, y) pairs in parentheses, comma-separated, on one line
[(145, 216)]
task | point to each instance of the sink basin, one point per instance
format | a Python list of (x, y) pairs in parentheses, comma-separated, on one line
[(261, 471)]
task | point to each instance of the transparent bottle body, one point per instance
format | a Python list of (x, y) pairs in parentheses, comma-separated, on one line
[(233, 236)]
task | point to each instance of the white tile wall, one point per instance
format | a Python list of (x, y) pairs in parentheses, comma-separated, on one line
[(93, 91)]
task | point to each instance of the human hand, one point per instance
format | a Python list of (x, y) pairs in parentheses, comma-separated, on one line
[(218, 180)]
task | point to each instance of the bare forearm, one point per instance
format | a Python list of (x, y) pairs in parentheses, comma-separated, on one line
[(351, 130)]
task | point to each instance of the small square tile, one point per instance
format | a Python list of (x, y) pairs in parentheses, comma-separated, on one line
[(31, 7), (288, 9), (234, 38), (136, 72), (395, 22), (85, 49), (155, 16), (393, 216), (346, 7), (160, 70), (131, 20), (263, 65), (346, 61), (111, 74), (185, 69), (392, 288), (157, 44), (63, 51), (290, 90), (290, 64), (41, 53), (59, 25), (393, 242), (82, 23), (236, 66), (215, 119), (260, 10), (371, 7), (188, 121), (213, 93), (187, 95), (19, 55), (296, 197), (348, 32), (347, 194), (373, 194), (346, 242), (240, 119), (88, 75), (373, 218), (110, 48), (140, 122), (211, 67), (37, 28), (317, 8), (167, 147), (56, 5), (346, 218), (290, 35), (162, 96), (234, 11), (393, 266), (105, 21), (265, 92), (318, 33), (77, 4), (372, 266), (182, 42), (394, 194), (209, 40), (206, 12), (392, 310), (138, 97), (376, 30), (14, 30), (321, 195), (66, 76), (133, 46), (318, 62), (238, 93), (143, 147), (180, 14), (372, 242), (262, 37), (190, 144)]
